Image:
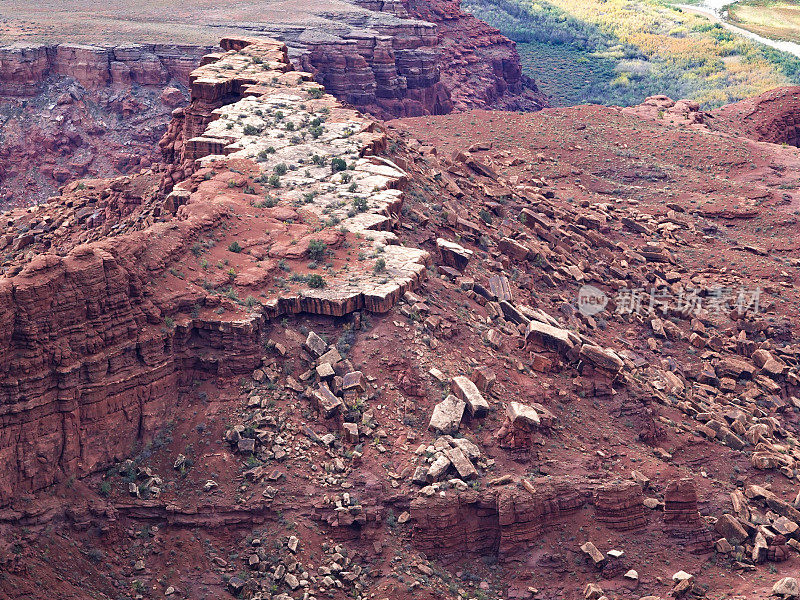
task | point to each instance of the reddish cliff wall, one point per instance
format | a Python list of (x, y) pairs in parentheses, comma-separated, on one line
[(479, 66), (24, 68), (88, 368), (410, 58)]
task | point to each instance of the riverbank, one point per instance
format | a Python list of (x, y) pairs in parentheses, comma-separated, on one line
[(772, 19), (716, 12)]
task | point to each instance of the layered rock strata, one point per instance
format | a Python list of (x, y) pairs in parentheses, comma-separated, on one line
[(504, 520), (479, 65), (619, 505), (681, 518), (25, 68)]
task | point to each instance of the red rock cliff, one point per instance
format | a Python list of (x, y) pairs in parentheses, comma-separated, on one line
[(410, 58), (24, 68), (480, 66)]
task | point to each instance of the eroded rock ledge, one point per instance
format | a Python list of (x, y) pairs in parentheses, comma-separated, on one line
[(114, 296)]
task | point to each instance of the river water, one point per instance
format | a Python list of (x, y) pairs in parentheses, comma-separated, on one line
[(714, 9), (717, 4)]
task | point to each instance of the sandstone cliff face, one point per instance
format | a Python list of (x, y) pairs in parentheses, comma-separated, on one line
[(87, 370), (479, 66), (385, 64), (24, 68), (399, 59)]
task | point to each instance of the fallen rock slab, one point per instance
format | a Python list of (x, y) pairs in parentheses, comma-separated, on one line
[(550, 337), (465, 389), (447, 415), (453, 255)]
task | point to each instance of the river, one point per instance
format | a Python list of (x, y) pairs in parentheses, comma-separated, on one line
[(714, 10)]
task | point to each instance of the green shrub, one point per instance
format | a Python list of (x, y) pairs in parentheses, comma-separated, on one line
[(317, 249), (316, 281), (266, 152), (235, 247), (338, 164), (267, 202)]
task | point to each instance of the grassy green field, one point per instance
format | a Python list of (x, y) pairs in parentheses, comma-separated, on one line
[(775, 19), (566, 74), (621, 51)]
